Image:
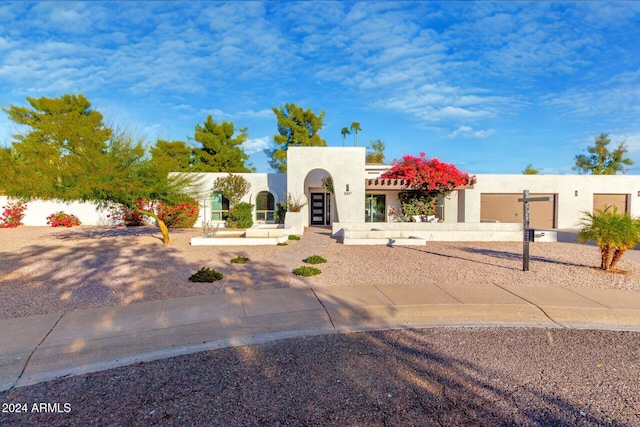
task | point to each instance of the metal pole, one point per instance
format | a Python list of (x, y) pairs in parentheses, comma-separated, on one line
[(525, 226)]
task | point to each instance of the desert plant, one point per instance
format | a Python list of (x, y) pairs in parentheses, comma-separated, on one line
[(614, 234), (179, 215), (327, 184), (281, 244), (315, 259), (61, 219), (241, 215), (281, 211), (293, 237), (205, 275), (295, 204), (306, 271), (12, 214), (240, 259)]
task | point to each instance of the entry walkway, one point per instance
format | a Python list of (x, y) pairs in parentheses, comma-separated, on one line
[(41, 348)]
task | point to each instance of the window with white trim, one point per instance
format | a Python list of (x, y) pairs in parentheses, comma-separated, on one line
[(265, 207), (219, 207)]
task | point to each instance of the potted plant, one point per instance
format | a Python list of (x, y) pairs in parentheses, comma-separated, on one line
[(294, 216)]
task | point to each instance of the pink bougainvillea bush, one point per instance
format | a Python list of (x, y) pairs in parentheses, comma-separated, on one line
[(425, 179), (122, 215), (12, 214), (429, 175), (180, 215), (61, 219)]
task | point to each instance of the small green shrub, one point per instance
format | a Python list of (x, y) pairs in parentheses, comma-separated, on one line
[(241, 215), (240, 260), (306, 271), (281, 211), (205, 275), (293, 237), (282, 243), (315, 259)]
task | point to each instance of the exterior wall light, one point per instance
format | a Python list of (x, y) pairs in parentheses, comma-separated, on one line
[(576, 193), (348, 189)]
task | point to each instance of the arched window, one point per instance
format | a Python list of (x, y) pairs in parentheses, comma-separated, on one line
[(265, 206), (219, 207)]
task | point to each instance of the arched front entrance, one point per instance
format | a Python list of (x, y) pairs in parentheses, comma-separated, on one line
[(320, 197)]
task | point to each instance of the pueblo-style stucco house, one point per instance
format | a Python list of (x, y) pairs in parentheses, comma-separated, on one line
[(361, 205)]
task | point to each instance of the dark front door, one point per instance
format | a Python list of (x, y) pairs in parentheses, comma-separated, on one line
[(318, 209)]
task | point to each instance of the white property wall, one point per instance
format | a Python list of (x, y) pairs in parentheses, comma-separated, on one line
[(569, 206), (38, 210)]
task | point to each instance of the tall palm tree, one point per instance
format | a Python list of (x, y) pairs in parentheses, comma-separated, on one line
[(344, 132), (355, 127)]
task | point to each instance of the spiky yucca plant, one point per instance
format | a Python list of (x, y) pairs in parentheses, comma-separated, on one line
[(614, 234)]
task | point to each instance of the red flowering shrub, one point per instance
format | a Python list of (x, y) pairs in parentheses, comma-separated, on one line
[(424, 179), (180, 215), (61, 219), (12, 214), (427, 175), (122, 215)]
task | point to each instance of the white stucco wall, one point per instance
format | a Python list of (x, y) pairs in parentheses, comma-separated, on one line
[(38, 210), (569, 206), (346, 167), (276, 183)]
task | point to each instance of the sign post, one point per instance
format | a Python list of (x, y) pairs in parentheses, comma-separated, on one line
[(527, 234)]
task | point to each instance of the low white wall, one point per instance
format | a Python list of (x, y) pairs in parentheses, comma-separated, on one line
[(445, 232), (38, 210)]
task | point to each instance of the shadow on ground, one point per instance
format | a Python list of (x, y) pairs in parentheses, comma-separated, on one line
[(453, 377), (113, 266)]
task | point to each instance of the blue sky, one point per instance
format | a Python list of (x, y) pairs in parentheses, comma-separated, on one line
[(488, 86)]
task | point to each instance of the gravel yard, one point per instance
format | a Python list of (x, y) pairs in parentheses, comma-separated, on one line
[(46, 270), (443, 376)]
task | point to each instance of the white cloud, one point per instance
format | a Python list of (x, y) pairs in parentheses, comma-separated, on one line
[(256, 145), (468, 132), (632, 141)]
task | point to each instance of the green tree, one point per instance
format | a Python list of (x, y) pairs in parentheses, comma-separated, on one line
[(66, 137), (174, 156), (296, 128), (233, 187), (345, 131), (530, 170), (355, 127), (221, 148), (600, 160), (68, 153), (376, 155), (614, 234)]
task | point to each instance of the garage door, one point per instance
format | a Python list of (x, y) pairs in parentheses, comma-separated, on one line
[(507, 208), (602, 200)]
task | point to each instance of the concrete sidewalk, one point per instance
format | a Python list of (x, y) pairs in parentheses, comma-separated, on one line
[(41, 348)]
